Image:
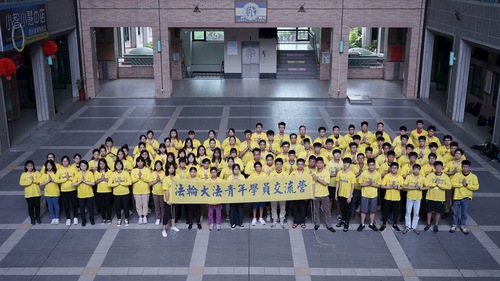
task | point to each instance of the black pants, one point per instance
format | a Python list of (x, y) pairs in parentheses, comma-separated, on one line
[(345, 209), (299, 211), (178, 211), (402, 209), (34, 207), (103, 201), (236, 212), (391, 207), (167, 215), (70, 201), (193, 213), (121, 202), (89, 203)]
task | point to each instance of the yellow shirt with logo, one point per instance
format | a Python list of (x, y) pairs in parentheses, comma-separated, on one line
[(392, 194), (84, 190), (369, 191), (437, 186), (412, 181), (120, 182), (345, 182), (31, 186), (140, 183)]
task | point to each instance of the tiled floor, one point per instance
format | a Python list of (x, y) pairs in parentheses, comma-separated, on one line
[(102, 252)]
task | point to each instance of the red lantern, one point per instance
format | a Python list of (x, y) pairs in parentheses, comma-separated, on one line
[(50, 48), (7, 68)]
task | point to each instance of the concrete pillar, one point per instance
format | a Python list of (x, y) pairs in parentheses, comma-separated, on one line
[(145, 36), (74, 61), (366, 37), (122, 43), (4, 129), (42, 79), (133, 37), (458, 81), (425, 77)]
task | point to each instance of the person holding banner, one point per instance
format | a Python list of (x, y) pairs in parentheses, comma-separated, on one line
[(193, 210), (299, 206), (321, 178), (236, 209), (167, 205), (278, 163), (211, 208), (258, 173)]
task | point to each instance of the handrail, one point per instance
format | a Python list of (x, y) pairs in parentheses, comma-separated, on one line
[(312, 41)]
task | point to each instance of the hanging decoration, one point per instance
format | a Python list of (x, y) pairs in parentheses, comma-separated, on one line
[(7, 68), (49, 49)]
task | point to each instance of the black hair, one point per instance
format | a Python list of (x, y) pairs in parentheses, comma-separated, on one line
[(102, 160)]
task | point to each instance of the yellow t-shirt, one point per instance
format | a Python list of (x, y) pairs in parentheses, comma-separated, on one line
[(462, 191), (392, 194), (248, 154), (321, 190), (338, 142), (120, 183), (158, 186), (166, 185), (225, 143), (369, 191), (415, 134), (31, 186), (282, 138), (345, 182), (437, 186), (103, 186), (52, 188), (140, 184), (411, 180), (333, 167), (84, 190), (64, 177), (206, 143)]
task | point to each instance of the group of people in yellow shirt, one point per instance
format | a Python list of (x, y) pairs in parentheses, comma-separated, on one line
[(360, 169)]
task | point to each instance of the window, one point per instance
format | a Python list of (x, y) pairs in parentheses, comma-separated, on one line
[(209, 35)]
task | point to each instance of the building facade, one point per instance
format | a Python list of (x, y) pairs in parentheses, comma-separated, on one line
[(402, 20)]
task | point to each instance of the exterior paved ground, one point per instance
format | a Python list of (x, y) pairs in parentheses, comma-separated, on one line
[(45, 252)]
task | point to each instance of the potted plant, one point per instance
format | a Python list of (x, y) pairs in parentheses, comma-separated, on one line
[(80, 84)]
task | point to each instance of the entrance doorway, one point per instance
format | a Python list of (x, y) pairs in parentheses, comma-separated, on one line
[(250, 62)]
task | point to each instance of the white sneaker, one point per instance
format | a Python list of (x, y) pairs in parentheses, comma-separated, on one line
[(210, 226), (75, 221), (254, 221), (174, 229), (157, 222), (274, 224), (282, 225), (56, 221), (164, 233), (262, 221), (139, 221), (119, 222), (68, 222), (126, 222), (52, 221), (268, 218), (145, 220)]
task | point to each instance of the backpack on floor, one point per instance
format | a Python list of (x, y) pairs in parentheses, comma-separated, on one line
[(469, 107), (481, 121), (476, 109)]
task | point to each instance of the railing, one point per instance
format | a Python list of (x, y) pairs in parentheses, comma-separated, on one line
[(137, 60), (314, 45), (366, 62)]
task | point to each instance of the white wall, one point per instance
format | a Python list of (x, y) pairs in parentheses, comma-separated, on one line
[(233, 63)]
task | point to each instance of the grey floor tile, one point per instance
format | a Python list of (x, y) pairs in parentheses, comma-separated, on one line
[(466, 252), (163, 112), (5, 234), (495, 236), (238, 244), (15, 206), (485, 210), (355, 278), (398, 112), (270, 248), (134, 124), (201, 125), (91, 124), (141, 277), (104, 112), (426, 251), (77, 139), (201, 111), (347, 250), (141, 247)]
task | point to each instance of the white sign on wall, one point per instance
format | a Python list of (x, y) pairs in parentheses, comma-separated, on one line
[(232, 48)]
